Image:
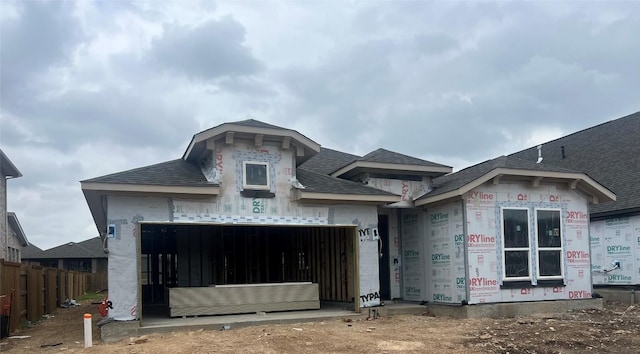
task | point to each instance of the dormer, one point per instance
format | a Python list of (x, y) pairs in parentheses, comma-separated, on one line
[(383, 163), (259, 133)]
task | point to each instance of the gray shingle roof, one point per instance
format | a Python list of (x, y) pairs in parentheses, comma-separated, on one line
[(609, 153), (320, 183), (171, 173), (257, 124), (327, 161), (247, 123), (386, 156), (31, 251), (463, 177), (91, 248)]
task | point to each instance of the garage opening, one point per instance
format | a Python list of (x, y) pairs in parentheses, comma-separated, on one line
[(216, 269)]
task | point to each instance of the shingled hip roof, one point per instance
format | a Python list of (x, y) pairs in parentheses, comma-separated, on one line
[(328, 161), (609, 153), (170, 173), (386, 156), (91, 248)]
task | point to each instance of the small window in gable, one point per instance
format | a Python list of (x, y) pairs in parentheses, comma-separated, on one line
[(255, 175)]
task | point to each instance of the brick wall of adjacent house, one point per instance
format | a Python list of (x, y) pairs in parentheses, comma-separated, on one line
[(3, 216)]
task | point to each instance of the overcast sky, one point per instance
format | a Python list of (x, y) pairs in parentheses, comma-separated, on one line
[(92, 88)]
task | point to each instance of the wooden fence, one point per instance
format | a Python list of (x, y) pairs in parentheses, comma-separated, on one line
[(38, 290)]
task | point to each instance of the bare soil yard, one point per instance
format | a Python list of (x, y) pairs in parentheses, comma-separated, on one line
[(614, 329)]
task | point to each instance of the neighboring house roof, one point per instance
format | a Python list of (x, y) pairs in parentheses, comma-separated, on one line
[(458, 183), (609, 152), (30, 251), (389, 162), (7, 168), (91, 248), (328, 161), (17, 228), (171, 173)]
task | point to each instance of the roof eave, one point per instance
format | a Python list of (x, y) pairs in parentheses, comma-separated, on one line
[(8, 168), (304, 196), (151, 188), (97, 209), (597, 192), (388, 167), (93, 192)]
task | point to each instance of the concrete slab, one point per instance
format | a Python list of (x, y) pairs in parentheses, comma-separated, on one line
[(513, 309), (625, 295), (115, 331)]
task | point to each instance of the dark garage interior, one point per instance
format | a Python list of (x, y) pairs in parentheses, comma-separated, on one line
[(203, 255)]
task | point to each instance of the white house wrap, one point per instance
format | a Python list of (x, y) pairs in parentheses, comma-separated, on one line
[(253, 208)]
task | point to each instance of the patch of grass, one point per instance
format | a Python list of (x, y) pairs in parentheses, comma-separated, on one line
[(91, 296)]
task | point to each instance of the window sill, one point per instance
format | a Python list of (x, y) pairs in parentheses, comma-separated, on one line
[(527, 284), (551, 283), (253, 193), (519, 284)]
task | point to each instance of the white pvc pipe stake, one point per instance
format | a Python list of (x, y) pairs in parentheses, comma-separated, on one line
[(88, 338)]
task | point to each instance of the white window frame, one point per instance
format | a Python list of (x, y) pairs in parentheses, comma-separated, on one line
[(538, 248), (255, 186), (522, 249)]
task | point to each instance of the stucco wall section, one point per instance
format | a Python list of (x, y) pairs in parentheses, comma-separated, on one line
[(615, 239), (484, 241)]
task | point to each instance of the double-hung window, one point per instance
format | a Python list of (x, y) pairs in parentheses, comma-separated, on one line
[(519, 255), (517, 250), (549, 236)]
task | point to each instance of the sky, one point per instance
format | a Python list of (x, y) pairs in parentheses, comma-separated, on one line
[(90, 88)]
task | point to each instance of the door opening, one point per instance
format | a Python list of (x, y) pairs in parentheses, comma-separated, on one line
[(385, 273)]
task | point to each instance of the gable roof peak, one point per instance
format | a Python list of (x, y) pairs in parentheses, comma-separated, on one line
[(458, 183), (251, 129), (256, 123), (391, 157)]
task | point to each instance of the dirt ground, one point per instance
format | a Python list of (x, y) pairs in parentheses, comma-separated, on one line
[(614, 329)]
